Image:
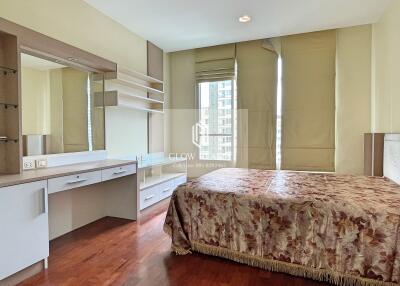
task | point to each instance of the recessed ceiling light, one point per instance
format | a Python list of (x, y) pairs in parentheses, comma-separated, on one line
[(244, 19)]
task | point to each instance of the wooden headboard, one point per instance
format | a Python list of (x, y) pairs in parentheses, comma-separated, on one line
[(391, 157)]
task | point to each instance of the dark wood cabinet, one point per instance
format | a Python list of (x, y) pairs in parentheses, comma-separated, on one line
[(373, 154)]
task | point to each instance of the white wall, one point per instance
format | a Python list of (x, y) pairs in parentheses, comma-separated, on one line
[(124, 134)]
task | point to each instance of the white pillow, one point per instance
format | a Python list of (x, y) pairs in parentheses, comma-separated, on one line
[(391, 157)]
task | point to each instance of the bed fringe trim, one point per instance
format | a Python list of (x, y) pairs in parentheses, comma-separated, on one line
[(180, 251), (322, 275)]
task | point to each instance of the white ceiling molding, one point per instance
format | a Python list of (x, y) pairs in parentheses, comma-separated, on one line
[(185, 24)]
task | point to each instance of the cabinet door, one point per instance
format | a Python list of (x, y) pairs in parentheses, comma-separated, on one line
[(24, 231)]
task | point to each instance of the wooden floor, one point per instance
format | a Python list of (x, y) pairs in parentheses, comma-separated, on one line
[(119, 252)]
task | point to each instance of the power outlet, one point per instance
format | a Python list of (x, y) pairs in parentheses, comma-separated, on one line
[(29, 164), (41, 163)]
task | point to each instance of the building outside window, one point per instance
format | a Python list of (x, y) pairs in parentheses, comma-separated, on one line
[(216, 102)]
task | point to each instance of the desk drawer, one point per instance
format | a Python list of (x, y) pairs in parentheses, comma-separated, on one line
[(166, 189), (117, 172), (149, 196), (74, 181)]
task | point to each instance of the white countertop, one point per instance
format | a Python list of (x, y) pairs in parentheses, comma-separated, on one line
[(48, 173)]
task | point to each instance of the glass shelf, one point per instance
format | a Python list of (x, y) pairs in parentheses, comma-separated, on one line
[(6, 140), (7, 105), (6, 70)]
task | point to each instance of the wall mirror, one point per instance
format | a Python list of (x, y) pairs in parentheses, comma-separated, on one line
[(59, 114)]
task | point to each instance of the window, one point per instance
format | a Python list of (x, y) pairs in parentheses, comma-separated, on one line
[(89, 113), (216, 103), (279, 116)]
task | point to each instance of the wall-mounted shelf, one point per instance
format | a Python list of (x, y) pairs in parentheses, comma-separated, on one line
[(141, 76), (135, 79), (131, 89), (135, 85), (129, 100)]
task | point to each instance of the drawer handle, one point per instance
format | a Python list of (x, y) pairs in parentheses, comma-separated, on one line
[(149, 198), (45, 201), (166, 190), (119, 172), (76, 181)]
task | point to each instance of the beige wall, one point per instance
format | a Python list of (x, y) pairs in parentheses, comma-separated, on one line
[(182, 103), (386, 71), (78, 24), (35, 102), (353, 91)]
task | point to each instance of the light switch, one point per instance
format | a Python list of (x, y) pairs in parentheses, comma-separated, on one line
[(41, 163)]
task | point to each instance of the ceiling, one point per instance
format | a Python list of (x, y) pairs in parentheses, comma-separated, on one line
[(28, 61), (184, 24)]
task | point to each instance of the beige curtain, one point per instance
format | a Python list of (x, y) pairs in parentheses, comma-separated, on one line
[(256, 84), (215, 63), (308, 106), (75, 121)]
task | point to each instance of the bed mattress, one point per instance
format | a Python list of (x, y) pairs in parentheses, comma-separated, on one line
[(336, 228)]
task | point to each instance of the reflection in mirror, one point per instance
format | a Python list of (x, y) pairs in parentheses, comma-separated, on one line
[(58, 113)]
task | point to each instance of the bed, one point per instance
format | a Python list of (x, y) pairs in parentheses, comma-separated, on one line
[(340, 229)]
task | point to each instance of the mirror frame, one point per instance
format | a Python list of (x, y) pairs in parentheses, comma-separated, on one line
[(77, 67), (42, 46)]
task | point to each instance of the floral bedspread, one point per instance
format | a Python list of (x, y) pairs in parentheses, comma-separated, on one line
[(338, 228)]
